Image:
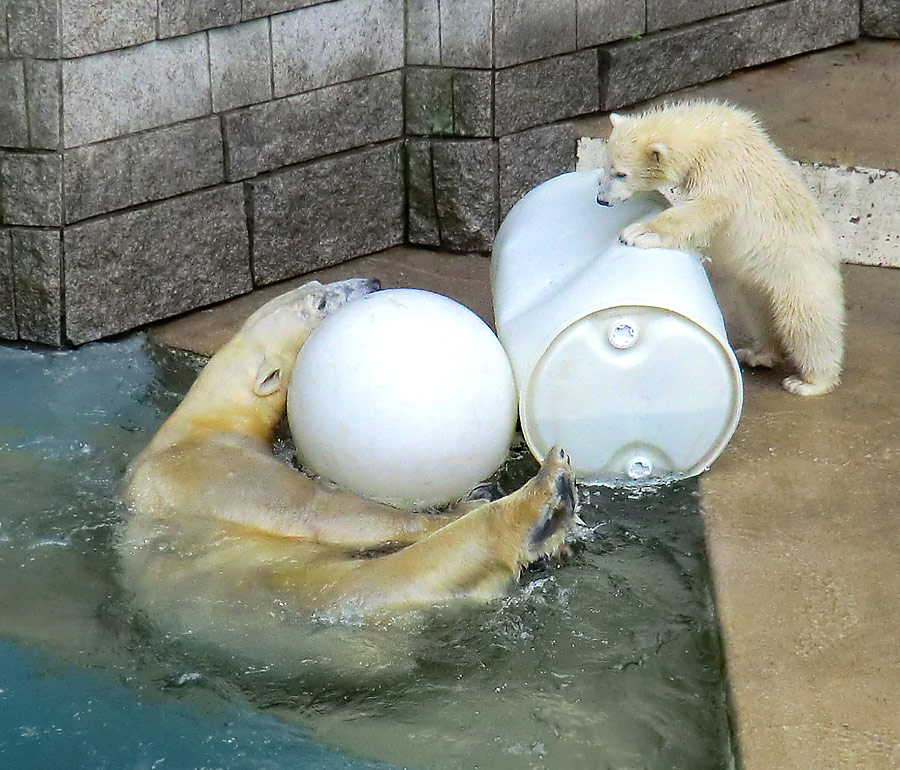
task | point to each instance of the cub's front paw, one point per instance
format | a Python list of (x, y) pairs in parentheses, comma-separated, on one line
[(640, 235)]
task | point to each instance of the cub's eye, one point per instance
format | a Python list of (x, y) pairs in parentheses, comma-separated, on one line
[(619, 175)]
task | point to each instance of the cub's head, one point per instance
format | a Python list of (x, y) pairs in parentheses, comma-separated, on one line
[(635, 161), (270, 339)]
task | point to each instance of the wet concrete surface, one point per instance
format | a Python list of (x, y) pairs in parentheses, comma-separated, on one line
[(803, 533)]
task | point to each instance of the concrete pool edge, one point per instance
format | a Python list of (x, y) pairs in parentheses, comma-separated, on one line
[(801, 514)]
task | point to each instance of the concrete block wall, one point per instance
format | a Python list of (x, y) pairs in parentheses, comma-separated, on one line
[(160, 155)]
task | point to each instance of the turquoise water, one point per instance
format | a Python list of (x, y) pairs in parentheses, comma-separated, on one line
[(610, 659)]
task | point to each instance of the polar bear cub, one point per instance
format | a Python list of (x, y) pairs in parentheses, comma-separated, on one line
[(747, 210)]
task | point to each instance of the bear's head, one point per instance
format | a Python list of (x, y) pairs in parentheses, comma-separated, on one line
[(271, 338), (635, 161)]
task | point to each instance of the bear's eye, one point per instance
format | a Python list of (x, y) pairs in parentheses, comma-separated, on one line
[(619, 175)]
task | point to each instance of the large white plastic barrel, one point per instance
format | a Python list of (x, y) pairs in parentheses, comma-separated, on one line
[(619, 354)]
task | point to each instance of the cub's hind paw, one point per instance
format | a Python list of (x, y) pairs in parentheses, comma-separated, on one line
[(640, 235), (765, 358), (800, 387)]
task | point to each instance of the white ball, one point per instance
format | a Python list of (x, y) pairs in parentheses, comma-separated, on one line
[(403, 396)]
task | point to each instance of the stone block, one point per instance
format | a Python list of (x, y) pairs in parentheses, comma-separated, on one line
[(42, 95), (125, 270), (335, 42), (423, 32), (473, 102), (13, 116), (664, 14), (531, 157), (36, 256), (91, 26), (31, 189), (9, 330), (422, 222), (880, 18), (326, 212), (123, 92), (538, 93), (526, 30), (466, 193), (444, 101), (602, 21), (4, 35), (33, 28), (429, 100), (254, 9), (240, 62), (299, 128), (466, 33), (137, 169), (789, 28), (181, 17), (634, 70)]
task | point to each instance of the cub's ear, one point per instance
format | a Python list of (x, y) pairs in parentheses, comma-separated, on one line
[(268, 379), (658, 152), (615, 118)]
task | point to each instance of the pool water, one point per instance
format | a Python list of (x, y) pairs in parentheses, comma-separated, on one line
[(610, 659)]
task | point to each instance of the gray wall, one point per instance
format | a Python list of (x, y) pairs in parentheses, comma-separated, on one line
[(161, 155)]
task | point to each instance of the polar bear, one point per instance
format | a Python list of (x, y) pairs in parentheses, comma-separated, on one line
[(217, 525), (747, 210)]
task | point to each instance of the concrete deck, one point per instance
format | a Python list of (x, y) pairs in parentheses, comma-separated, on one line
[(803, 508)]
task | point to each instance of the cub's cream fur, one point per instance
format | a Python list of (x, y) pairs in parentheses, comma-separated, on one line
[(747, 210)]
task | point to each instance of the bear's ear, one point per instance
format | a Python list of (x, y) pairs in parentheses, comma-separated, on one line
[(615, 118), (658, 152), (268, 379)]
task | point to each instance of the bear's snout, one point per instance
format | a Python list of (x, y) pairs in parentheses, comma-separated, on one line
[(602, 201)]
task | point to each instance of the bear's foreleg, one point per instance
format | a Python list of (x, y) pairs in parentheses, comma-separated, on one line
[(684, 226), (474, 557)]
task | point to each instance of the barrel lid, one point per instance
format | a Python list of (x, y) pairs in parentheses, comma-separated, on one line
[(632, 394)]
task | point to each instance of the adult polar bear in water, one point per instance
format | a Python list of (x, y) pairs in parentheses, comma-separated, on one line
[(218, 525)]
